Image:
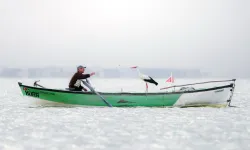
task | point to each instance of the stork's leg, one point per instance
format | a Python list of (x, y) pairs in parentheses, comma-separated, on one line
[(146, 87)]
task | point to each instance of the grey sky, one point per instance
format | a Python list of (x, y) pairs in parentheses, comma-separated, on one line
[(210, 34)]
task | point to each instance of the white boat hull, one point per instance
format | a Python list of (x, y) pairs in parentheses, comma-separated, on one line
[(215, 97)]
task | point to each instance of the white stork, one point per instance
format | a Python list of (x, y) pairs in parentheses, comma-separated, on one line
[(145, 78)]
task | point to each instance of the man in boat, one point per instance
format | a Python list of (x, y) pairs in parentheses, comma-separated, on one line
[(75, 82)]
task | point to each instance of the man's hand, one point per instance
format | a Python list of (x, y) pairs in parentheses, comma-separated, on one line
[(85, 89), (93, 73)]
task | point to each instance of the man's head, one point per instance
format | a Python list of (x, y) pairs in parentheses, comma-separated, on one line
[(81, 69)]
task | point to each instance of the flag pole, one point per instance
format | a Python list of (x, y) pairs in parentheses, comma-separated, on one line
[(172, 81)]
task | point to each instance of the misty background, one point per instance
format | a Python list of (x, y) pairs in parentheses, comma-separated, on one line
[(212, 36)]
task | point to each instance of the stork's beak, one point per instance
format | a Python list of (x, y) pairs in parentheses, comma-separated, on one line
[(134, 67)]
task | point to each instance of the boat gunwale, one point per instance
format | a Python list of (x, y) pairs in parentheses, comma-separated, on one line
[(128, 93)]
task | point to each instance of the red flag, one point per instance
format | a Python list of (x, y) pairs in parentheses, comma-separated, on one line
[(170, 79), (134, 67)]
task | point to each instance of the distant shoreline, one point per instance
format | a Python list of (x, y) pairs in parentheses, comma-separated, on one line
[(103, 73)]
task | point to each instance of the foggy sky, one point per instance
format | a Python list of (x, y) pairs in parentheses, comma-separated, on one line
[(207, 34)]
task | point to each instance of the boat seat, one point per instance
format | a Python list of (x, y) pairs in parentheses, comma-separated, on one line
[(69, 89), (72, 89), (187, 89)]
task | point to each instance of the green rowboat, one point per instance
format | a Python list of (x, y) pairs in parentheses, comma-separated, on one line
[(214, 96)]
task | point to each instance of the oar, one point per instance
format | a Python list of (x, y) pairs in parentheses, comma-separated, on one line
[(35, 84), (197, 83), (92, 89)]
